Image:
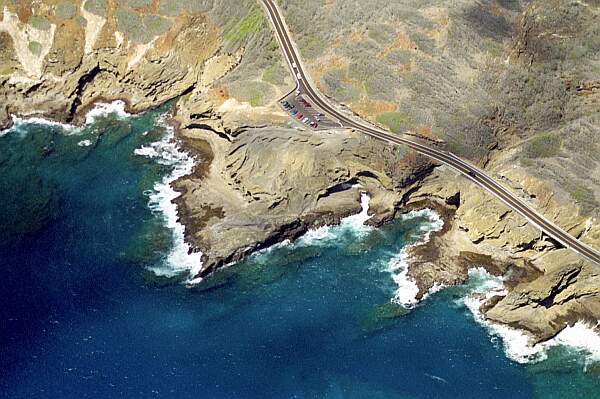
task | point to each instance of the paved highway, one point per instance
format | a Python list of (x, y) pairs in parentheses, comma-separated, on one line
[(476, 175)]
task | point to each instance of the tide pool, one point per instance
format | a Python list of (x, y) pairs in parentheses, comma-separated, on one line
[(84, 315)]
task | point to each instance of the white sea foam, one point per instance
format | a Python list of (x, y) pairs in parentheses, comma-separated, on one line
[(99, 109), (355, 224), (581, 337), (407, 289), (517, 344), (436, 223), (268, 250), (483, 286), (35, 120), (179, 260), (85, 143), (103, 109)]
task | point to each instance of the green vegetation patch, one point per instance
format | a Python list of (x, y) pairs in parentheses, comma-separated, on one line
[(139, 3), (256, 100), (35, 48), (130, 23), (399, 57), (543, 146), (156, 25), (583, 195), (396, 121), (423, 42), (274, 74), (171, 8), (382, 34), (40, 22), (379, 80), (141, 29), (335, 83), (313, 46), (254, 93), (81, 21), (65, 10), (196, 6), (97, 7), (250, 24)]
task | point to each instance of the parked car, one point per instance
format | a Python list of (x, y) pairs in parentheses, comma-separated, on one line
[(300, 116), (294, 111), (305, 120)]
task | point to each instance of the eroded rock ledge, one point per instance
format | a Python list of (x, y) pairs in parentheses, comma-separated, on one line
[(258, 182), (256, 186), (259, 185), (548, 287)]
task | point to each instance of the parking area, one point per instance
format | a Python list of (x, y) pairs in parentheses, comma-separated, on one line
[(300, 108)]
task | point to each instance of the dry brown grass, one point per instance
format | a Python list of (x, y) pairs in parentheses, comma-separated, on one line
[(219, 94), (24, 10), (372, 108)]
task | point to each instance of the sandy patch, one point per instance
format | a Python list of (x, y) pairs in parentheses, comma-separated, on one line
[(216, 67), (139, 51), (26, 38), (94, 26)]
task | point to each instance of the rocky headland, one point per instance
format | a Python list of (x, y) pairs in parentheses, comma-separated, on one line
[(260, 179)]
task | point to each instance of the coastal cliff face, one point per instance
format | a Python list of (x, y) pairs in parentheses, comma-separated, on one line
[(58, 57), (507, 84), (548, 287), (510, 85), (262, 185)]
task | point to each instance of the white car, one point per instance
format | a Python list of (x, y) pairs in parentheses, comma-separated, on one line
[(305, 120)]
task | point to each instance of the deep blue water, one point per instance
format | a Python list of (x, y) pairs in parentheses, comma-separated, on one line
[(81, 317)]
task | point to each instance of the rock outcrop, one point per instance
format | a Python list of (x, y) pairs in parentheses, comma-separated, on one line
[(564, 295), (518, 94), (256, 186), (548, 287)]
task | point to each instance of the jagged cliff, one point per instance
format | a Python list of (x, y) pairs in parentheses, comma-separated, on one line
[(262, 185), (530, 120)]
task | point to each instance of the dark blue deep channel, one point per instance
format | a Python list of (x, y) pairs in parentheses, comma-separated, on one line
[(82, 317)]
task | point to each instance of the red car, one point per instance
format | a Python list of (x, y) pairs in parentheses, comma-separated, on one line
[(300, 116), (306, 103)]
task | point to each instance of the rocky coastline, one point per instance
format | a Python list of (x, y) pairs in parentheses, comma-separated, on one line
[(543, 298), (260, 180), (538, 302), (544, 294)]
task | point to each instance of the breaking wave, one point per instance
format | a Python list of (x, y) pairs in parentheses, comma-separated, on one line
[(516, 343), (102, 109), (99, 110), (407, 289), (355, 225), (180, 259)]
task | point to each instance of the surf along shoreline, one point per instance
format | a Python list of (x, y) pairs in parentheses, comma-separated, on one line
[(424, 252)]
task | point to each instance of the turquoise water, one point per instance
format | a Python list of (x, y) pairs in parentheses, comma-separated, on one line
[(82, 317)]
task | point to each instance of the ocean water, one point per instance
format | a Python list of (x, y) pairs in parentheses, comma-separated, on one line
[(94, 302)]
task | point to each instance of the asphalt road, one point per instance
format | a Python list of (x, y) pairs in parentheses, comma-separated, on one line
[(470, 171)]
